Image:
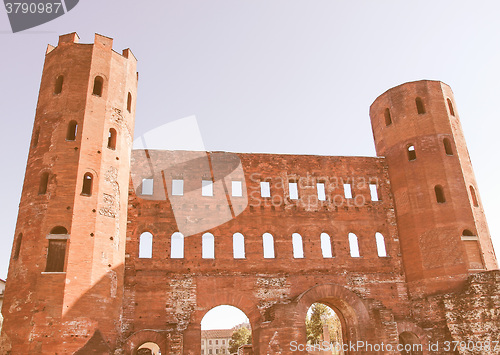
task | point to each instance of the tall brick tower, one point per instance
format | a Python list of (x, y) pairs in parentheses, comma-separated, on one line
[(441, 223), (66, 273)]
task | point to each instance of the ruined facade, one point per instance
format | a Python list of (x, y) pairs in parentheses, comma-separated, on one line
[(397, 244)]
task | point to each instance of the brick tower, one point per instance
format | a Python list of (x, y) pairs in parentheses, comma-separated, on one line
[(66, 272), (441, 223)]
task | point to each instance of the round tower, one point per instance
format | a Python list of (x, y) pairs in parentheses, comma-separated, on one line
[(65, 279), (441, 223)]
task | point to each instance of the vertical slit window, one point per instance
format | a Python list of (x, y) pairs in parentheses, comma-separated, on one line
[(374, 192), (146, 246), (17, 250), (326, 246), (420, 106), (36, 137), (320, 188), (447, 146), (268, 245), (177, 246), (72, 131), (129, 102), (59, 84), (265, 189), (298, 247), (207, 188), (56, 255), (293, 190), (236, 188), (353, 245), (450, 107), (238, 246), (147, 187), (347, 191), (388, 119), (208, 246), (475, 202), (410, 151), (379, 239), (87, 184), (177, 187), (44, 182), (98, 83), (112, 139), (438, 190)]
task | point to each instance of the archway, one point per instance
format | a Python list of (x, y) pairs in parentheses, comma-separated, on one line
[(149, 348), (409, 344), (324, 330)]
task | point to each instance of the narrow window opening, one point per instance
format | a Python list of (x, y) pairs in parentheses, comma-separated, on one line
[(98, 83), (177, 187), (72, 131), (87, 185), (294, 191), (265, 189), (475, 202), (320, 188), (347, 191), (298, 247), (238, 246), (208, 246), (381, 251), (353, 245), (146, 245), (420, 106), (207, 188), (388, 119), (468, 233), (112, 139), (44, 182), (447, 146), (129, 102), (18, 246), (59, 230), (440, 198), (177, 246), (56, 254), (59, 84), (450, 107), (147, 187), (268, 245), (236, 188), (412, 154), (326, 246), (374, 192), (36, 137)]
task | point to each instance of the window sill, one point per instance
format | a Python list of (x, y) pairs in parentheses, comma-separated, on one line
[(53, 272)]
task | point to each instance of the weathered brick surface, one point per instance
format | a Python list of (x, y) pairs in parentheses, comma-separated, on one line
[(109, 300)]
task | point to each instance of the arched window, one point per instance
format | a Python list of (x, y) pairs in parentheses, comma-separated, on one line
[(112, 139), (410, 150), (59, 230), (148, 348), (326, 246), (353, 245), (298, 247), (208, 246), (379, 238), (87, 184), (447, 146), (238, 246), (44, 181), (146, 245), (438, 189), (56, 255), (450, 107), (59, 84), (177, 246), (36, 137), (268, 245), (19, 240), (129, 102), (420, 106), (388, 119), (467, 233), (72, 130), (473, 196), (98, 83)]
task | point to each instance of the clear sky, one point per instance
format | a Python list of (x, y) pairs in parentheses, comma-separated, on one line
[(279, 76)]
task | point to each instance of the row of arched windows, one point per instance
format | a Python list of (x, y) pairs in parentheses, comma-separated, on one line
[(208, 246), (412, 154), (420, 110), (86, 186), (97, 89)]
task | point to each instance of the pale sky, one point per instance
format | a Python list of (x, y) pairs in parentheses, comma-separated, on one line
[(280, 76)]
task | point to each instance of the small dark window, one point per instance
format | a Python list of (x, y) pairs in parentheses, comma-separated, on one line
[(467, 233), (447, 146), (112, 138), (450, 107), (98, 83), (59, 230), (438, 189), (72, 130), (129, 102), (56, 255), (420, 106), (18, 246), (473, 196), (388, 119), (59, 84), (87, 185), (44, 181), (410, 150), (36, 137)]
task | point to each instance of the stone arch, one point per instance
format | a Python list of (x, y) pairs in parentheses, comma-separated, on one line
[(351, 310), (159, 337), (409, 327)]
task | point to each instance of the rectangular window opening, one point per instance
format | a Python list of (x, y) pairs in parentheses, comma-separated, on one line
[(294, 191), (265, 189), (177, 187), (320, 187), (374, 192), (236, 188), (147, 187), (207, 188), (347, 191), (56, 255)]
